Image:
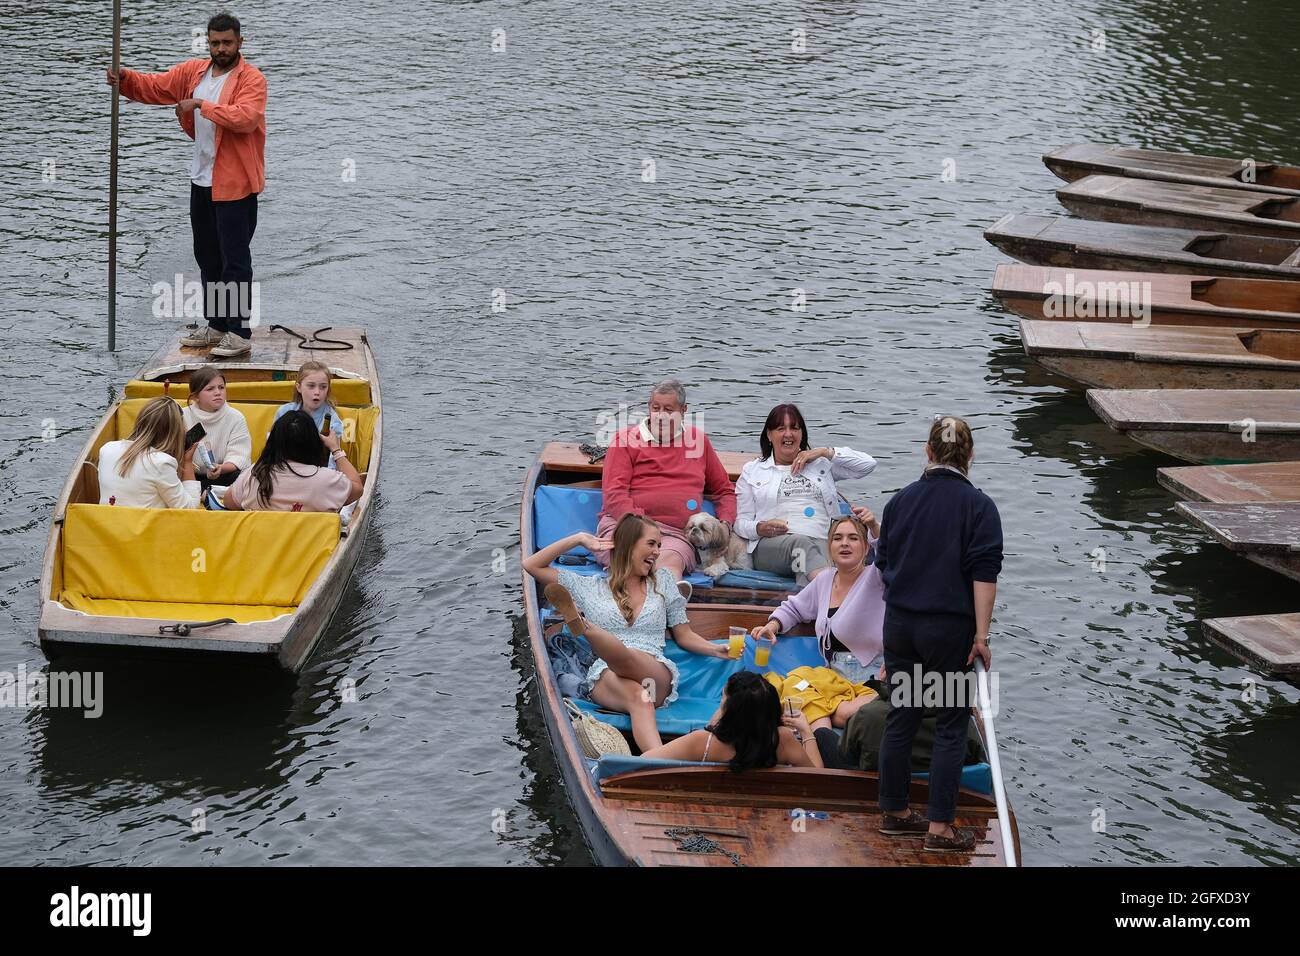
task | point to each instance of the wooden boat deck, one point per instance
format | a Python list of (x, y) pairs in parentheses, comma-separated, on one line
[(1234, 484), (1098, 295), (1108, 355), (1268, 534), (756, 823), (1269, 642), (274, 350), (1206, 426), (1084, 159), (1151, 202), (1087, 244)]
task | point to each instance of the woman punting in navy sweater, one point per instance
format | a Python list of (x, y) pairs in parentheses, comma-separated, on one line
[(939, 555)]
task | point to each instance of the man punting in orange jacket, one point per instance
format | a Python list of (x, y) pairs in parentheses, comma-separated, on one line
[(221, 105)]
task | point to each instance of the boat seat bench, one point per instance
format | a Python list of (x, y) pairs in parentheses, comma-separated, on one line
[(247, 565), (358, 436), (343, 391)]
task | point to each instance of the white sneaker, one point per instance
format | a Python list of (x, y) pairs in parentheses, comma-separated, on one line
[(231, 344), (200, 338)]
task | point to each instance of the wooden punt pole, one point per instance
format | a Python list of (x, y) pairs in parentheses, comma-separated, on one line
[(112, 181)]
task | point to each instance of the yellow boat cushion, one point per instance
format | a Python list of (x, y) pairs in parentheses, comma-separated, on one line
[(343, 391), (357, 436), (191, 556), (112, 607)]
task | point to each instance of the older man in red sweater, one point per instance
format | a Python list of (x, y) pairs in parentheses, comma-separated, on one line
[(664, 470)]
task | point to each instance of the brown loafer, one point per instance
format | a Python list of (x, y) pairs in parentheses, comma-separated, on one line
[(961, 841), (911, 825), (563, 602)]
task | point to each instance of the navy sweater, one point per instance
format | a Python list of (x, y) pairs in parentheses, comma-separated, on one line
[(937, 536)]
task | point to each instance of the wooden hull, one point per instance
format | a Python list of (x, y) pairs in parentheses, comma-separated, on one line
[(1084, 244), (1085, 159), (1107, 355), (1268, 534), (1204, 426), (1180, 206), (1094, 295), (626, 818), (288, 640), (1263, 483), (1268, 642)]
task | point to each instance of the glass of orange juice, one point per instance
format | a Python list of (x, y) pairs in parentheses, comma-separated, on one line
[(763, 650), (736, 642)]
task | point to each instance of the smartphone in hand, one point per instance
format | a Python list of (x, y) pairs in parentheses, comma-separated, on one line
[(194, 434), (325, 428)]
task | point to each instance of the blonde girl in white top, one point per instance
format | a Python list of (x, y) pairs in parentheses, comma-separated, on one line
[(142, 471), (227, 442)]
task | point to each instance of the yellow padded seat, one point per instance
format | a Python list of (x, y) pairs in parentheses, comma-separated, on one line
[(343, 391), (204, 564), (111, 607), (358, 437)]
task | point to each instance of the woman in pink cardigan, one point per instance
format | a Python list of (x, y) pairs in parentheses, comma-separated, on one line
[(848, 607)]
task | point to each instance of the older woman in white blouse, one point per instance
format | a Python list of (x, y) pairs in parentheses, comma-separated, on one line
[(785, 500)]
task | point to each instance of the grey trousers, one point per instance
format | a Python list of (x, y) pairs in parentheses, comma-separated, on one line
[(778, 555)]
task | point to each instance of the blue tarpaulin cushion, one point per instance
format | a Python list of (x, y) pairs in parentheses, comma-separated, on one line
[(700, 692), (757, 580)]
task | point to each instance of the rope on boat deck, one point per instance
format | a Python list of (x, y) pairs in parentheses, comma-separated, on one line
[(690, 840), (308, 342), (183, 629)]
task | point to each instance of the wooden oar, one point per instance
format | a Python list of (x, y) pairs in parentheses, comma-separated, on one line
[(995, 765), (112, 182)]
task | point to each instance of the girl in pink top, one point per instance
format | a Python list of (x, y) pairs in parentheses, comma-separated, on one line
[(290, 474)]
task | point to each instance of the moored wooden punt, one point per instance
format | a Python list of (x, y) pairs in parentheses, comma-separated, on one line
[(626, 818), (1087, 244), (1263, 483), (286, 638), (1206, 426), (1269, 642), (1109, 355), (1084, 159), (1266, 533), (1147, 202), (1099, 295)]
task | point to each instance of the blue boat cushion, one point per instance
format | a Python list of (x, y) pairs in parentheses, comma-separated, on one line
[(559, 511), (700, 691)]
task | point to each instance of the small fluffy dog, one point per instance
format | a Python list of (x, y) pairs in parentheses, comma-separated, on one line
[(719, 550)]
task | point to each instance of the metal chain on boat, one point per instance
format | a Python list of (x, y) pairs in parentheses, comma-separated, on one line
[(690, 840), (594, 453), (312, 342), (183, 628)]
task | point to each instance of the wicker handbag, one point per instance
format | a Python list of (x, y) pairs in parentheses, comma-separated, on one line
[(595, 737)]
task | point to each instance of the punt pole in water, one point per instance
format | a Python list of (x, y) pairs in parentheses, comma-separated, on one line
[(112, 182), (995, 765)]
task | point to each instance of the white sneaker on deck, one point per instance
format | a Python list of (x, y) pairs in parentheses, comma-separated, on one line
[(200, 338), (230, 345)]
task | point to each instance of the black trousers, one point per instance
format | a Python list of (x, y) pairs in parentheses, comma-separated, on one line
[(936, 644), (223, 232)]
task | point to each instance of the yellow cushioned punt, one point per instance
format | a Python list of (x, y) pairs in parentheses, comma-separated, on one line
[(357, 437), (343, 391), (258, 559)]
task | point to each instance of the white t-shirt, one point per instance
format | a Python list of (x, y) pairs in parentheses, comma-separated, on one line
[(205, 131), (800, 504)]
